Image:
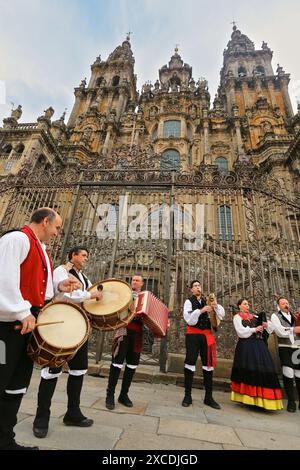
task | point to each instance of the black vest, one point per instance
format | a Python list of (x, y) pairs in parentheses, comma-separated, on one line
[(203, 321), (75, 273)]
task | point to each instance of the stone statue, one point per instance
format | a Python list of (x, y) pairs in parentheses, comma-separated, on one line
[(83, 83), (192, 85), (156, 85), (87, 134), (202, 83), (193, 111), (17, 113), (49, 112)]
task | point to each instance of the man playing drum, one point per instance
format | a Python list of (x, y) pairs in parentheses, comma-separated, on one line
[(26, 283), (78, 257), (128, 344)]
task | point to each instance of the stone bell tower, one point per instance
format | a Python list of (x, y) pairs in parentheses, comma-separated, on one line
[(100, 104), (256, 98)]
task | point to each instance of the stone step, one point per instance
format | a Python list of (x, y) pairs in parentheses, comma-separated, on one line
[(151, 374)]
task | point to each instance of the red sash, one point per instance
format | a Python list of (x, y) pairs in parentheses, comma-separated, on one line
[(211, 344)]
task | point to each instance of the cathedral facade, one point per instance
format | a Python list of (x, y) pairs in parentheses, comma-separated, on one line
[(170, 183)]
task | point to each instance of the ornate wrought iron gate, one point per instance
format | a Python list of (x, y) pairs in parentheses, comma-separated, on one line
[(257, 255)]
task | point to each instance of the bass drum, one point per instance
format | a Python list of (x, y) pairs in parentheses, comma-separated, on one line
[(115, 310), (53, 345)]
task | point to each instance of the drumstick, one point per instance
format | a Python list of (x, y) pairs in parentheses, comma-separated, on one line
[(19, 327)]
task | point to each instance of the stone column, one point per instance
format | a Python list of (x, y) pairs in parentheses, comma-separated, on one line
[(286, 97), (160, 130), (271, 89), (230, 94), (107, 140), (183, 133), (74, 114), (109, 103), (246, 95), (205, 131), (121, 105)]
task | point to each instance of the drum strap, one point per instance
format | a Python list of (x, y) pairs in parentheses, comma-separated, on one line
[(75, 274)]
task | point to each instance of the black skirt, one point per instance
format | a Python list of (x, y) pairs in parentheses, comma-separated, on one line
[(253, 364)]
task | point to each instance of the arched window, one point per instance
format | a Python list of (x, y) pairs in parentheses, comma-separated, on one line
[(242, 72), (41, 161), (225, 223), (20, 148), (7, 148), (222, 164), (115, 80), (259, 70), (170, 160), (172, 129)]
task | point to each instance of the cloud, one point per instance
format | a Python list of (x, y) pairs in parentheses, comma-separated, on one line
[(48, 46)]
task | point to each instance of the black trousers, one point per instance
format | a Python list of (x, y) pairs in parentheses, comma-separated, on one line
[(16, 371), (15, 374), (195, 345), (79, 361), (126, 350)]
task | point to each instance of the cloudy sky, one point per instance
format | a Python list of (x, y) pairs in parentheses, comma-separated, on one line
[(47, 46)]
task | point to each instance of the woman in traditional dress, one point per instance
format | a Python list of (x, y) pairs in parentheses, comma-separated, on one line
[(253, 378)]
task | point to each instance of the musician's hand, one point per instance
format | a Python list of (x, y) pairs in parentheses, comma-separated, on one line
[(68, 285), (97, 295), (28, 324), (265, 324), (259, 329), (207, 309), (297, 330)]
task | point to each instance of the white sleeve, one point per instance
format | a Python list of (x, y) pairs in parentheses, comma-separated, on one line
[(60, 274), (191, 317), (14, 248), (242, 331), (280, 330), (220, 312), (270, 327)]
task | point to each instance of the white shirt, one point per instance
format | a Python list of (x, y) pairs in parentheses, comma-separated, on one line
[(14, 248), (191, 317), (77, 296), (282, 331), (247, 331), (49, 288)]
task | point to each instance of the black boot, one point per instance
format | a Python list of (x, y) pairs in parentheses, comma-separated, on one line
[(298, 389), (289, 390), (73, 416), (114, 373), (208, 399), (42, 417), (188, 382), (9, 407), (127, 379)]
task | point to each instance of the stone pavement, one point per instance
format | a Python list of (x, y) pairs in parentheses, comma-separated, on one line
[(158, 421)]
